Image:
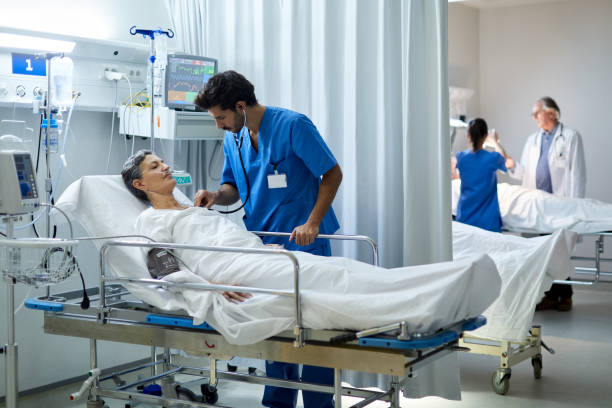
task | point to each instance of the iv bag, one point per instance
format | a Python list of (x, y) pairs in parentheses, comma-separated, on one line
[(61, 82)]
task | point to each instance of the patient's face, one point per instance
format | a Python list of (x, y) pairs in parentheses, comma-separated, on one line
[(156, 176)]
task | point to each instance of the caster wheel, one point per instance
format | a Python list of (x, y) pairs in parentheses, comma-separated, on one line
[(536, 362), (500, 381), (209, 393), (186, 394)]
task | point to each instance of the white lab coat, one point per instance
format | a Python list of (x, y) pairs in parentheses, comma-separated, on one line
[(565, 161)]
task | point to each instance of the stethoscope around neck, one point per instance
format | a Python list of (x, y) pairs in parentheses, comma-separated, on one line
[(555, 142), (238, 140)]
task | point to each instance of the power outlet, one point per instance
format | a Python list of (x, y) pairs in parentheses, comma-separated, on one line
[(108, 67), (136, 74)]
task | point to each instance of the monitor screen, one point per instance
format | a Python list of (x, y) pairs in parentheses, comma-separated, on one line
[(25, 176), (185, 76)]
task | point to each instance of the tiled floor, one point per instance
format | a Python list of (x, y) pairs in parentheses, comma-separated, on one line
[(578, 375)]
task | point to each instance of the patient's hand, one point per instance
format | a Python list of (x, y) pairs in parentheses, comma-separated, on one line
[(279, 246), (235, 297)]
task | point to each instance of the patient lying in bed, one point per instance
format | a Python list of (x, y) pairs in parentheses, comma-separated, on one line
[(336, 292), (536, 211)]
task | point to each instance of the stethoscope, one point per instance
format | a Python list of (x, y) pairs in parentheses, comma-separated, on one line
[(557, 153), (238, 142)]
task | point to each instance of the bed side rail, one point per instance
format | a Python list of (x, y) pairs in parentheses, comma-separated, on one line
[(299, 331), (340, 237)]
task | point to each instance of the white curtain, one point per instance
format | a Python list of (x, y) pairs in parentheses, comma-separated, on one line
[(372, 75)]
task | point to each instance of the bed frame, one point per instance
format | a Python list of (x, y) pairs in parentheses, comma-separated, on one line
[(512, 353), (389, 350)]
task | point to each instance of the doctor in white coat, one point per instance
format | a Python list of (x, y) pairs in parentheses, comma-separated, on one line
[(553, 161), (553, 157)]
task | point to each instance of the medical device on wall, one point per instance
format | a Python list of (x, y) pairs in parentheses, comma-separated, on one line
[(19, 193), (185, 76)]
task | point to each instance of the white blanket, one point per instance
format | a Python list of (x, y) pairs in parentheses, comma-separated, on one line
[(338, 293), (527, 267), (536, 211)]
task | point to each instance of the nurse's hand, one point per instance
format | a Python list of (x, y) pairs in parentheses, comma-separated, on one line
[(204, 198), (304, 234)]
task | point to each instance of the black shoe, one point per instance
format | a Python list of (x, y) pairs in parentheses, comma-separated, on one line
[(564, 305), (547, 303)]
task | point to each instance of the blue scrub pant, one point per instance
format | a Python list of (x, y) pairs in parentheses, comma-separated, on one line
[(277, 397)]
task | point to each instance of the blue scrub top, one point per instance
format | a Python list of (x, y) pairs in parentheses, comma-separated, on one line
[(478, 205), (290, 143)]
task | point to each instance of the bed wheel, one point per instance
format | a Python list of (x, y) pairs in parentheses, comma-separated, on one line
[(500, 380), (536, 362), (209, 393)]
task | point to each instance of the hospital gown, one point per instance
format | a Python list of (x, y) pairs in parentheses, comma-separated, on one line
[(337, 293)]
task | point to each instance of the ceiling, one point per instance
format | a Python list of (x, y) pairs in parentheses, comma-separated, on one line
[(500, 3)]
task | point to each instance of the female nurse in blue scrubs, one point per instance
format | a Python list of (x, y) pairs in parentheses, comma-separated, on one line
[(478, 205), (291, 180)]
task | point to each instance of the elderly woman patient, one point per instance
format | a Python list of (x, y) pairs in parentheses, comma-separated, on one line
[(336, 292)]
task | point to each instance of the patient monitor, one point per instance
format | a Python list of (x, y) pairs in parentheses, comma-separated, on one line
[(18, 190)]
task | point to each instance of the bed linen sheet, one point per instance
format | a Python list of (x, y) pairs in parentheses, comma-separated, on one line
[(536, 211)]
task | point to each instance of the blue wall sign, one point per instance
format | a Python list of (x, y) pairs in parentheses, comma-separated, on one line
[(29, 64)]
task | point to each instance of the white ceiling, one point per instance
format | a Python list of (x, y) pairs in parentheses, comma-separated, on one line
[(500, 3)]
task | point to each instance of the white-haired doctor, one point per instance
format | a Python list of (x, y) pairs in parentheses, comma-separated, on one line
[(553, 157), (553, 161)]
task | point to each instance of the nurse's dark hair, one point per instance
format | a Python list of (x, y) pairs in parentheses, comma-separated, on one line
[(224, 90), (477, 131), (131, 171), (549, 104)]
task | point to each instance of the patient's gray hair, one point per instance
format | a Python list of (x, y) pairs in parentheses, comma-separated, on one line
[(131, 171)]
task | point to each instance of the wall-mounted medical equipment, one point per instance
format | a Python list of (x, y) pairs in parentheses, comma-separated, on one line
[(23, 73), (170, 124), (19, 193), (185, 76)]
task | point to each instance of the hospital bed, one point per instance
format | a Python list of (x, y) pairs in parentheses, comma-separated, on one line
[(117, 316), (532, 213)]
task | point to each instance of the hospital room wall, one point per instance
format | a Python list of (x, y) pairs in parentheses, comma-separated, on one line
[(560, 49), (463, 60), (46, 359)]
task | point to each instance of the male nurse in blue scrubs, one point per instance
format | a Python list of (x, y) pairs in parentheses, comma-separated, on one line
[(292, 179)]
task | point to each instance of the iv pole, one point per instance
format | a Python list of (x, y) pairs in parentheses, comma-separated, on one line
[(151, 34)]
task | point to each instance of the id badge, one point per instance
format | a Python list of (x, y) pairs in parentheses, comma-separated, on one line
[(277, 180)]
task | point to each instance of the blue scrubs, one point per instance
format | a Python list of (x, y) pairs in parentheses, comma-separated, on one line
[(478, 205), (289, 144)]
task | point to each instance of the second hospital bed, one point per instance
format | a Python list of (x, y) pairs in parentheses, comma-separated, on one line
[(92, 200), (534, 212)]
